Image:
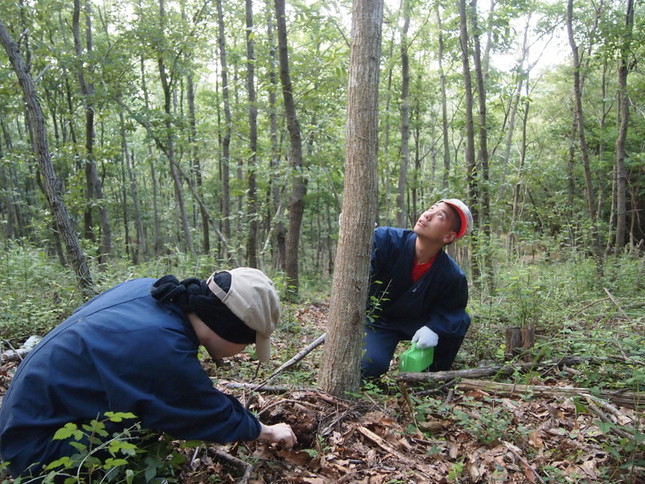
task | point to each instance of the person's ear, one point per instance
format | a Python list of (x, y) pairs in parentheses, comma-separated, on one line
[(449, 238)]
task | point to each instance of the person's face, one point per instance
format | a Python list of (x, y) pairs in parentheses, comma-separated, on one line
[(216, 346), (436, 223), (219, 348)]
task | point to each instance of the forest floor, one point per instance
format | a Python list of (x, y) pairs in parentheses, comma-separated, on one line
[(397, 432), (436, 432)]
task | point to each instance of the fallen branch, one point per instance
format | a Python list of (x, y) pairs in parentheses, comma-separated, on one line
[(620, 429), (617, 304), (295, 359), (391, 450), (619, 397), (20, 353), (254, 387), (234, 461), (530, 473), (414, 377)]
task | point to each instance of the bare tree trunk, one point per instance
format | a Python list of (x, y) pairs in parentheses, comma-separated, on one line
[(444, 105), (170, 137), (472, 175), (482, 241), (584, 149), (64, 222), (623, 111), (140, 247), (252, 241), (158, 240), (94, 188), (515, 105), (228, 126), (299, 184), (274, 183), (401, 210), (341, 360)]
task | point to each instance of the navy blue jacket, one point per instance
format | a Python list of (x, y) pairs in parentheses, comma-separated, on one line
[(124, 352), (438, 299)]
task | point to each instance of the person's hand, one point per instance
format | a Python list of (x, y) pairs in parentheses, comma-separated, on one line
[(278, 434), (425, 338)]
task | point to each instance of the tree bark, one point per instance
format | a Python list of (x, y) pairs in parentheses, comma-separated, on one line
[(623, 112), (166, 84), (482, 241), (64, 222), (274, 182), (401, 212), (340, 371), (225, 159), (93, 182), (140, 245), (252, 212), (444, 104), (580, 131), (299, 184), (471, 167)]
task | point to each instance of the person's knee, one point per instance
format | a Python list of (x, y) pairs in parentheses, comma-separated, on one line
[(373, 367)]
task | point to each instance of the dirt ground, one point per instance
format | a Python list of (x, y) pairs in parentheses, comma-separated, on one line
[(442, 433)]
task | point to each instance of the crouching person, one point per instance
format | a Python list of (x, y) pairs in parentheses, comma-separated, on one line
[(134, 348)]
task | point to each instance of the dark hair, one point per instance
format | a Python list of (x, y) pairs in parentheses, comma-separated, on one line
[(194, 296)]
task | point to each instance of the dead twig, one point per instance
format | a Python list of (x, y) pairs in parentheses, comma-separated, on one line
[(483, 371), (20, 353), (617, 304), (426, 470), (295, 359), (621, 430), (234, 461), (530, 473), (623, 398)]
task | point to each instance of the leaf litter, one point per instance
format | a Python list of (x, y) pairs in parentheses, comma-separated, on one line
[(456, 435)]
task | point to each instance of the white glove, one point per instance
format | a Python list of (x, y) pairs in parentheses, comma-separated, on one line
[(425, 338)]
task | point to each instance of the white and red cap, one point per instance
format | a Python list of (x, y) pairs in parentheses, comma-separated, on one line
[(465, 216)]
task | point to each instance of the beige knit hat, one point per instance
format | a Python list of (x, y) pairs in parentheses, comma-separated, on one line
[(252, 298)]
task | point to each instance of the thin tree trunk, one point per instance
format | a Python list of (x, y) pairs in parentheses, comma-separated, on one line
[(170, 137), (158, 240), (482, 240), (64, 222), (444, 105), (274, 182), (623, 111), (94, 188), (401, 211), (584, 149), (252, 241), (340, 373), (140, 248), (298, 182), (228, 126), (471, 175)]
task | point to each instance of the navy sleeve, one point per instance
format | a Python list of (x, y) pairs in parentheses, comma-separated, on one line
[(448, 315), (175, 395)]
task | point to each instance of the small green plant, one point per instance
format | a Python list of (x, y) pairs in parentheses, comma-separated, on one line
[(456, 471), (128, 456)]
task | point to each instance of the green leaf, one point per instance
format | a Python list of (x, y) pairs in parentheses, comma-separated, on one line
[(119, 416), (64, 462), (68, 431), (112, 462)]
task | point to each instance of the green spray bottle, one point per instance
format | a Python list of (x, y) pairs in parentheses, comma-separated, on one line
[(415, 360)]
